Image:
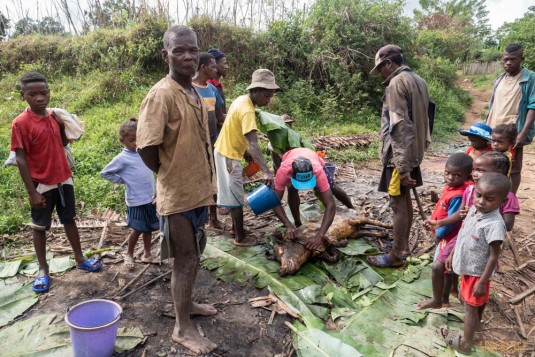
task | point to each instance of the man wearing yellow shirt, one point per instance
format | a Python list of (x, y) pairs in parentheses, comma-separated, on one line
[(237, 134)]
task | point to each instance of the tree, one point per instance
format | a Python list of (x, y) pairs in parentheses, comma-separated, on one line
[(25, 26), (472, 13), (49, 26), (4, 26), (521, 31)]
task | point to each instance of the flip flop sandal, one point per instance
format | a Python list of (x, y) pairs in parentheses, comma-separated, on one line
[(382, 261), (90, 265), (149, 260), (41, 284), (453, 339)]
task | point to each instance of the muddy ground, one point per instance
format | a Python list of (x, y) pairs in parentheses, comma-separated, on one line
[(241, 330)]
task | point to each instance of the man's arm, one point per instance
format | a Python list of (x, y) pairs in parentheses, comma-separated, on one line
[(151, 157), (328, 217), (281, 215), (219, 115), (255, 152), (36, 199), (522, 136)]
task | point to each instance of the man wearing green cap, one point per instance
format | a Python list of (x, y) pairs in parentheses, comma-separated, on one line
[(237, 134), (405, 136)]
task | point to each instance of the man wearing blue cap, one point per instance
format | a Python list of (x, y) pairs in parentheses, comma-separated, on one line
[(304, 169)]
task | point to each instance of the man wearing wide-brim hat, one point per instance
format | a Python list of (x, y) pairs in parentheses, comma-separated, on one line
[(238, 133), (405, 135)]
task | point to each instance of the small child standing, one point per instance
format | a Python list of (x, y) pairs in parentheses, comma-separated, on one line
[(503, 140), (38, 140), (128, 168), (476, 253), (479, 135), (456, 174)]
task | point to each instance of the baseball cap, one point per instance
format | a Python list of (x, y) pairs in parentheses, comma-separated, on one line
[(478, 129), (302, 174), (385, 53), (263, 78)]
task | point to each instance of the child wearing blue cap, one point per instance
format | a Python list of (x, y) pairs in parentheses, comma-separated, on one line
[(479, 135)]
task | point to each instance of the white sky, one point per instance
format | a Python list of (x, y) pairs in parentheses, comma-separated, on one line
[(500, 11)]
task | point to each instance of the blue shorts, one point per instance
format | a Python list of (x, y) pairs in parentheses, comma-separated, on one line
[(143, 218)]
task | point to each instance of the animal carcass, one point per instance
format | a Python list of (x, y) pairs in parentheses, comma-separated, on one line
[(346, 224)]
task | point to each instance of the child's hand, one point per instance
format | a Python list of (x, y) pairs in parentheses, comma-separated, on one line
[(37, 200), (479, 289), (449, 262), (431, 224), (463, 212)]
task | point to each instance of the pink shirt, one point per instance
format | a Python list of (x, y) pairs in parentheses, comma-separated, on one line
[(284, 173), (510, 205)]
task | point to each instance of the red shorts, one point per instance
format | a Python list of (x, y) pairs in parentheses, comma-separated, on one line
[(467, 291)]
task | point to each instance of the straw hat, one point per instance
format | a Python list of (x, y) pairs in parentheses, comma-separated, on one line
[(263, 78)]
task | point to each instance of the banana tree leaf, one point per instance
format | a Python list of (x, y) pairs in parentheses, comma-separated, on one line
[(281, 137), (242, 265), (9, 269), (358, 247), (375, 309), (316, 343), (306, 210), (56, 266), (15, 299), (48, 335)]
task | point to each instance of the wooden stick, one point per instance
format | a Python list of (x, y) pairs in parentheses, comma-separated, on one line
[(136, 278), (513, 248), (519, 321), (102, 238), (146, 284), (522, 296), (420, 208)]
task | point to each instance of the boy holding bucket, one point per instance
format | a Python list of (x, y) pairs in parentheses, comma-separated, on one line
[(303, 169)]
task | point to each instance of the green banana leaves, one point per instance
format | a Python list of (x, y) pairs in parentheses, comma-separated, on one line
[(374, 309)]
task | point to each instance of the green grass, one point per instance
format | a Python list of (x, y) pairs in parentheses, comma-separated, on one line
[(483, 81)]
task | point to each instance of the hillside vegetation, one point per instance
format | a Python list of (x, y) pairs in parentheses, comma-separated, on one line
[(321, 60)]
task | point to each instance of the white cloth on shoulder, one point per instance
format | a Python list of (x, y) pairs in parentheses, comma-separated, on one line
[(74, 127)]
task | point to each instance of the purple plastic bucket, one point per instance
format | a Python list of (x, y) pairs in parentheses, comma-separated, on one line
[(93, 326)]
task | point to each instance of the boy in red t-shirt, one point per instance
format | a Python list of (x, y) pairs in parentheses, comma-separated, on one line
[(38, 140), (456, 174)]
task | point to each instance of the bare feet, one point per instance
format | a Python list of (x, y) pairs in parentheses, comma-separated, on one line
[(147, 259), (246, 242), (191, 339), (245, 231), (216, 224), (202, 309), (129, 262), (428, 304)]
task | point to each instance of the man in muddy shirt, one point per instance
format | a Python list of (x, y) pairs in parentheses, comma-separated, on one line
[(405, 135)]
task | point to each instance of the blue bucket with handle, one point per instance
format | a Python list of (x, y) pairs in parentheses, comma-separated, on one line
[(262, 199)]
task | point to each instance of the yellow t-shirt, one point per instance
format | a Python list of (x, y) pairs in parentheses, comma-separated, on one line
[(240, 120)]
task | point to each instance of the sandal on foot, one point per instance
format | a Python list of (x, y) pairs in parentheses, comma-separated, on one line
[(454, 340), (129, 262), (382, 261), (41, 284), (90, 265)]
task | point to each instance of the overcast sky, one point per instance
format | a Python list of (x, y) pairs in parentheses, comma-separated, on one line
[(500, 11)]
